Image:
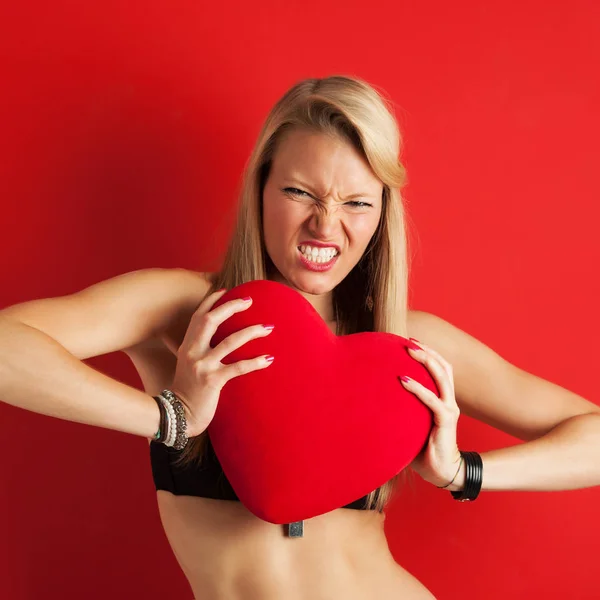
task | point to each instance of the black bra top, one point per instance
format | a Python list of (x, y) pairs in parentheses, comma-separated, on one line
[(207, 481)]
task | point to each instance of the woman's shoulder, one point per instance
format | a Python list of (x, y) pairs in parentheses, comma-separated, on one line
[(123, 312), (194, 281), (186, 282), (192, 287), (424, 326), (178, 286)]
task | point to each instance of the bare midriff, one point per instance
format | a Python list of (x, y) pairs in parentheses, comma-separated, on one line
[(227, 553)]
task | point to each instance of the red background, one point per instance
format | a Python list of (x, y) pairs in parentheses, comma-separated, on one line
[(125, 129)]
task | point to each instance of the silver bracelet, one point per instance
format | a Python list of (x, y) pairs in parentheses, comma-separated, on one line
[(167, 435), (177, 438)]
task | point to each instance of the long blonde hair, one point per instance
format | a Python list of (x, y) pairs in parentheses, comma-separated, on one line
[(374, 295)]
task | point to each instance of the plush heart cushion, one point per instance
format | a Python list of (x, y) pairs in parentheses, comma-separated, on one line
[(325, 424)]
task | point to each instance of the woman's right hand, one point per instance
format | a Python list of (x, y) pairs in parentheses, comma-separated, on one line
[(199, 374)]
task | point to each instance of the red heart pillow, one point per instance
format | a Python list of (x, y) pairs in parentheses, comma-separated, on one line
[(325, 424)]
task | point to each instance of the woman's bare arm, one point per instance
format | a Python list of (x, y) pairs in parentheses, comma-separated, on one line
[(43, 343)]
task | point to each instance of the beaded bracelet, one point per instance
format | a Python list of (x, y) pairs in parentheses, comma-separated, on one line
[(175, 435)]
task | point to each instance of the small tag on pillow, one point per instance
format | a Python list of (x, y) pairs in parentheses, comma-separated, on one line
[(295, 529)]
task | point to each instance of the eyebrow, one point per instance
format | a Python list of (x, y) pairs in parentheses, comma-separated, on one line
[(305, 185)]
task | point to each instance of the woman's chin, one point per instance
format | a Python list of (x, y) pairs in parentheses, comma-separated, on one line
[(314, 284), (306, 281)]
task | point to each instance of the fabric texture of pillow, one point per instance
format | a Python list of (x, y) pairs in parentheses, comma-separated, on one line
[(326, 423)]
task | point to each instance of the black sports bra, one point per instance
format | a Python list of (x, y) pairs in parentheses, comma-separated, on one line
[(207, 481)]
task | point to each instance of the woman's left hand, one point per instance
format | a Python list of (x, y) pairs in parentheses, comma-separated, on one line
[(439, 460)]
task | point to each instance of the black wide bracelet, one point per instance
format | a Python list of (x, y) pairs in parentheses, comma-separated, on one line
[(473, 477)]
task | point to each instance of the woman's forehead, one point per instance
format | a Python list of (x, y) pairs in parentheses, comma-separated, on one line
[(320, 161)]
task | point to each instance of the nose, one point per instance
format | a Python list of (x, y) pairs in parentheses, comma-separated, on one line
[(324, 223)]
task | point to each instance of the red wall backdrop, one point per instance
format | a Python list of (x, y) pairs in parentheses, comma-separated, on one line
[(124, 132)]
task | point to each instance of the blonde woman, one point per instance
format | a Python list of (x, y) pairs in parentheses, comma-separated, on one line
[(320, 211)]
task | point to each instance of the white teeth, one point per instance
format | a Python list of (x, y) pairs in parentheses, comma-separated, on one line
[(318, 255)]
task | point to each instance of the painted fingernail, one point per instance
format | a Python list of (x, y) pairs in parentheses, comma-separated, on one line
[(247, 299), (417, 342), (269, 327), (405, 378), (269, 358), (221, 290)]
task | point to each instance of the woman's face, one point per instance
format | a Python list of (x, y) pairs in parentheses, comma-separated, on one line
[(321, 207)]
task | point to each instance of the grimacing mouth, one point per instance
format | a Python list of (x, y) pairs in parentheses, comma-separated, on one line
[(335, 248)]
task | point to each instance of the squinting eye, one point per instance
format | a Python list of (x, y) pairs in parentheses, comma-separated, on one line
[(295, 191), (359, 204)]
